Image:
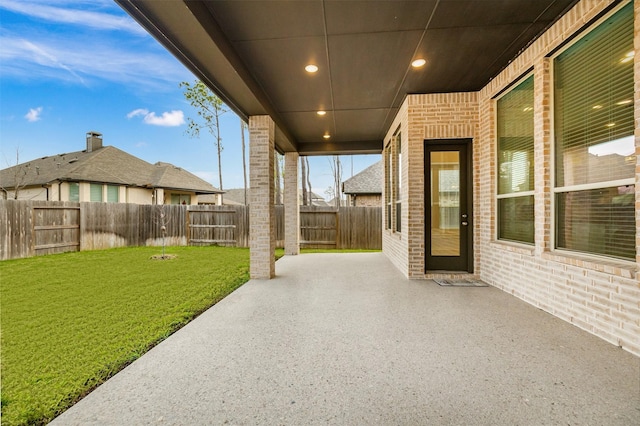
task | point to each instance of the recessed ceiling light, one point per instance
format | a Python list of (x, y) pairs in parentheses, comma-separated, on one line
[(311, 68), (418, 63), (624, 102), (326, 136), (321, 112)]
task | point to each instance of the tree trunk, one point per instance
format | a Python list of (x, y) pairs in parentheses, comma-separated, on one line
[(306, 159), (303, 170), (244, 161), (219, 146)]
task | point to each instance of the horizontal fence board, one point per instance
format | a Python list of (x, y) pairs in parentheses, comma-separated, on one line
[(50, 246), (51, 227)]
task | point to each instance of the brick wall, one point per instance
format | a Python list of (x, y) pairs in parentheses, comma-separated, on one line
[(365, 200), (598, 295)]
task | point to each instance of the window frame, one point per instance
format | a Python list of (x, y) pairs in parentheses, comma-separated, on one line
[(512, 195), (555, 190)]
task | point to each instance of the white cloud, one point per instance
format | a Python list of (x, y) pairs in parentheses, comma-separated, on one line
[(137, 112), (55, 57), (70, 14), (168, 119), (33, 114)]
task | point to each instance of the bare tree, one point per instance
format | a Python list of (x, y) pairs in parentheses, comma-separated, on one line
[(303, 171), (163, 221), (18, 176), (306, 159), (210, 107), (279, 174), (336, 170)]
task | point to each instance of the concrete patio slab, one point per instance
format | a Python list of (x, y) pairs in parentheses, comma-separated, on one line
[(345, 339)]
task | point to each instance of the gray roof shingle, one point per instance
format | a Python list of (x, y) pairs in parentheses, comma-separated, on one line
[(106, 165), (368, 181)]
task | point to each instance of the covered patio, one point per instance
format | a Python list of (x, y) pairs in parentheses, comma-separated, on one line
[(508, 132), (322, 345)]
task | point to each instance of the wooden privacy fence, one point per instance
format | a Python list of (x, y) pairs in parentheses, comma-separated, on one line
[(221, 225), (30, 228)]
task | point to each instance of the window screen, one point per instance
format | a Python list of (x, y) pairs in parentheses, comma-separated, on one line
[(594, 142)]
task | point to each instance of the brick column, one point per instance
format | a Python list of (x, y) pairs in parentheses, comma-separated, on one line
[(262, 229), (542, 154), (291, 204)]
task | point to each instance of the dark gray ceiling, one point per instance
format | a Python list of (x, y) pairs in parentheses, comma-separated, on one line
[(253, 54)]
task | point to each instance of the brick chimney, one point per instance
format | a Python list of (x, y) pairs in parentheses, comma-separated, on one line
[(94, 141)]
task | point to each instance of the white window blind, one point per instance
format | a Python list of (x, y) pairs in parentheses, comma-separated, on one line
[(74, 191), (95, 192), (112, 194), (515, 131), (594, 142), (594, 105)]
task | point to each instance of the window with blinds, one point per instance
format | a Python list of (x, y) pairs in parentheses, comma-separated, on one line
[(112, 194), (515, 164), (74, 191), (387, 185), (594, 141), (95, 192), (397, 167)]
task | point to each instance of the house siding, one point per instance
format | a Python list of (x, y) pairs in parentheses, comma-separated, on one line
[(599, 295)]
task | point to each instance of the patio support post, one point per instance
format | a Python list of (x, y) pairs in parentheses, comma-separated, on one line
[(291, 204), (262, 229)]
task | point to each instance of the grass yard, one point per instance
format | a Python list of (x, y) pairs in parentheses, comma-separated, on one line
[(71, 321)]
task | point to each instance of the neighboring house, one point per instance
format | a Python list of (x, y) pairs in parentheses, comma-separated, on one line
[(316, 200), (230, 197), (103, 174), (365, 188)]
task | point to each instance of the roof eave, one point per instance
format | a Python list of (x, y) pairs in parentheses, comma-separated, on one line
[(215, 62)]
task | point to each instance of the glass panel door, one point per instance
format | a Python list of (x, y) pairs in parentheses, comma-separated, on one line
[(448, 231), (445, 203)]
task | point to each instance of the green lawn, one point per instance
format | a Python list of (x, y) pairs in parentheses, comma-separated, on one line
[(71, 321)]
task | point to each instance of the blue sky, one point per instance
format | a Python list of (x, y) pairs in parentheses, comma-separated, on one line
[(72, 66)]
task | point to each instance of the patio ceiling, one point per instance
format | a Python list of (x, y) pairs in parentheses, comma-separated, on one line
[(253, 55)]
